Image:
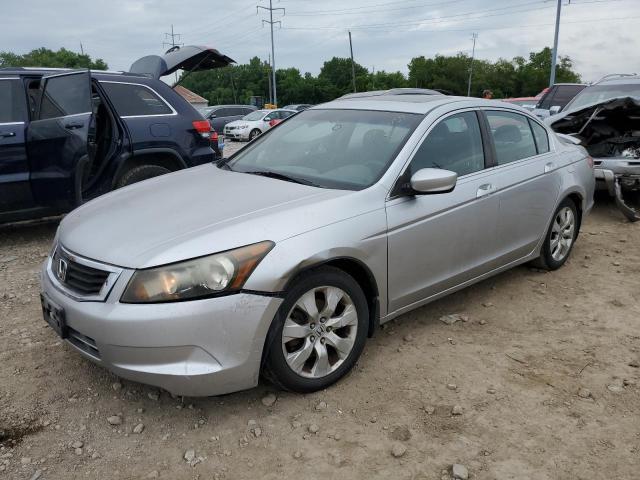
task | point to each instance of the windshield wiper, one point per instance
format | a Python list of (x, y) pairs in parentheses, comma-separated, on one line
[(282, 176)]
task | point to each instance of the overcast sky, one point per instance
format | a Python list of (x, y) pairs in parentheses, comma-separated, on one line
[(599, 35)]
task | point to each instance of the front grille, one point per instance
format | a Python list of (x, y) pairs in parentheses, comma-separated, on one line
[(77, 277), (84, 343)]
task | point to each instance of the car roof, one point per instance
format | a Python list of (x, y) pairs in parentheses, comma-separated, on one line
[(235, 106), (419, 104), (98, 74)]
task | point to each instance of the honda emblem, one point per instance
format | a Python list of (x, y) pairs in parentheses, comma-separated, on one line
[(62, 269)]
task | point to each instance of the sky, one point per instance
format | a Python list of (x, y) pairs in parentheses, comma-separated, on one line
[(599, 35)]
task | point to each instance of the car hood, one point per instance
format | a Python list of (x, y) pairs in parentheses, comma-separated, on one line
[(195, 212), (572, 121)]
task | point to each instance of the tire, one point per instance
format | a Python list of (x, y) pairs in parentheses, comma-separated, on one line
[(254, 133), (142, 172), (324, 364), (553, 254)]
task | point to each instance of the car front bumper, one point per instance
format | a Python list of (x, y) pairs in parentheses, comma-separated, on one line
[(237, 134), (616, 176), (192, 348)]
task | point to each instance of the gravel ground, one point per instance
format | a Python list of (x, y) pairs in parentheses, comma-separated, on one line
[(539, 382)]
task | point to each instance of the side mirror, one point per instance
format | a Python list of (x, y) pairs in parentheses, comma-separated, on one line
[(433, 180), (555, 109)]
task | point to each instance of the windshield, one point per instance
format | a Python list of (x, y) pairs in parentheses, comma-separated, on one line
[(602, 93), (257, 115), (344, 149)]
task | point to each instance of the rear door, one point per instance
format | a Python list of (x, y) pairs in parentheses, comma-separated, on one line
[(527, 179), (15, 191), (57, 139)]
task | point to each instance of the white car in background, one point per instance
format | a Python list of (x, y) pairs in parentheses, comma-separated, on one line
[(252, 125)]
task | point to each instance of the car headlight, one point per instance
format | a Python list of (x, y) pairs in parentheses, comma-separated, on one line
[(201, 277)]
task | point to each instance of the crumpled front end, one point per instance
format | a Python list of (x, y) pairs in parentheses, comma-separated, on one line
[(610, 131)]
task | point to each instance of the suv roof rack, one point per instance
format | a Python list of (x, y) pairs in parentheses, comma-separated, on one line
[(393, 91), (617, 75)]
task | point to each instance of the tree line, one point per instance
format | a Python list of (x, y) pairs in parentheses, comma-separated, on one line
[(517, 77)]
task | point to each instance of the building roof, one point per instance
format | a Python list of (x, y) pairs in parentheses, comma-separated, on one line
[(189, 96)]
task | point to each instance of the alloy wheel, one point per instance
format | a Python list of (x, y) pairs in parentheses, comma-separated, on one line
[(562, 233), (319, 332)]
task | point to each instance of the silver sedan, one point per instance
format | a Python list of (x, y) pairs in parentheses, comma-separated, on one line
[(285, 258)]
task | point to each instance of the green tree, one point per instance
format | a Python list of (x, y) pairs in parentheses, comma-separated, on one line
[(43, 57)]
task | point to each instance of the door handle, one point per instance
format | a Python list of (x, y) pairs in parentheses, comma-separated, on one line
[(485, 189), (549, 166), (73, 126), (7, 134)]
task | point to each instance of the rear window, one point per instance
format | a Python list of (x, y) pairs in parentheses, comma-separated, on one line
[(132, 100), (65, 95), (12, 102), (512, 136)]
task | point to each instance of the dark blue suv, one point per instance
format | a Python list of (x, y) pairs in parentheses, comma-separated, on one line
[(68, 136)]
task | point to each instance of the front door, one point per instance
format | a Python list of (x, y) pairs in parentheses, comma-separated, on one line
[(57, 139), (15, 191), (439, 241)]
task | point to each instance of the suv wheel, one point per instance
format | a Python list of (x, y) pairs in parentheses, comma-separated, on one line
[(142, 172), (318, 333)]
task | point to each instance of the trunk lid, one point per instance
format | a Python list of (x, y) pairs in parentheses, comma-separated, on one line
[(191, 58)]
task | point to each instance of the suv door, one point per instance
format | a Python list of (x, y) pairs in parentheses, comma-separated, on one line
[(439, 241), (57, 139), (527, 179), (15, 191)]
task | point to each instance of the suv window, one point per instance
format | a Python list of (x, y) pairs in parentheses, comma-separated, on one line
[(65, 95), (223, 112), (565, 93), (512, 136), (12, 102), (133, 100), (246, 111), (540, 136), (453, 144)]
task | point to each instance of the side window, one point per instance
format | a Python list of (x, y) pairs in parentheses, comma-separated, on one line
[(540, 136), (270, 117), (12, 101), (134, 100), (246, 111), (223, 112), (565, 93), (65, 95), (547, 99), (512, 136), (453, 144)]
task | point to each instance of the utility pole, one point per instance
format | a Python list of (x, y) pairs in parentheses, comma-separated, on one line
[(353, 65), (552, 76), (269, 81), (273, 53), (173, 42), (473, 54)]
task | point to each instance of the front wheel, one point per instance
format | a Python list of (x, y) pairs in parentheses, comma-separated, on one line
[(318, 333), (560, 237), (254, 133)]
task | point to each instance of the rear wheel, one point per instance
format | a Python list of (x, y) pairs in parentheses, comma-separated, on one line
[(142, 172), (318, 333), (254, 133), (561, 236)]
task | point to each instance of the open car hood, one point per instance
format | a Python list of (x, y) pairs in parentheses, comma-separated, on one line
[(576, 121), (191, 58)]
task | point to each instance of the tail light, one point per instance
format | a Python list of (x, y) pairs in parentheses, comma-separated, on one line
[(590, 161), (202, 127), (214, 136)]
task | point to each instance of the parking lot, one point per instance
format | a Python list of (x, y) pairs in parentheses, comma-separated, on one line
[(543, 376)]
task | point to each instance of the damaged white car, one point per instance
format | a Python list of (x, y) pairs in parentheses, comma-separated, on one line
[(605, 119)]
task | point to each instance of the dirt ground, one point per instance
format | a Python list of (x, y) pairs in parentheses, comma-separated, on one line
[(514, 371)]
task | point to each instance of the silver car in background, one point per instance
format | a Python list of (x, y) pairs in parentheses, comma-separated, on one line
[(283, 259)]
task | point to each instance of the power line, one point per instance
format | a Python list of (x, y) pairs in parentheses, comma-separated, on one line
[(271, 22), (173, 43), (474, 37), (359, 10)]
